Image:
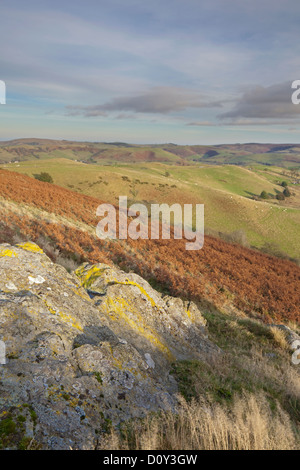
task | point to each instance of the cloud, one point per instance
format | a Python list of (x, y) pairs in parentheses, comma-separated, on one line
[(86, 111), (158, 100), (201, 123), (175, 63), (272, 102)]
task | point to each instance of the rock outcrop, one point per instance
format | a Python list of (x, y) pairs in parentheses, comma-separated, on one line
[(85, 350)]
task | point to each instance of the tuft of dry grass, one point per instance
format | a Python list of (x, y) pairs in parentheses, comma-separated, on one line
[(279, 337), (248, 424)]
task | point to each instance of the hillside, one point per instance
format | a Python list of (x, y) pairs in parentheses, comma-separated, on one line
[(92, 152), (221, 275), (228, 192), (139, 344)]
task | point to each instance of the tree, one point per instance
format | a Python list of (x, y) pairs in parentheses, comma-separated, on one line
[(264, 195), (287, 192), (45, 177), (284, 184), (280, 197)]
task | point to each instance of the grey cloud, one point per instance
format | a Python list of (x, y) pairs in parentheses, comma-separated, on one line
[(87, 111), (201, 123), (272, 102), (122, 116), (158, 100)]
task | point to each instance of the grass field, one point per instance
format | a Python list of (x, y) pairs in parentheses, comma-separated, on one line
[(226, 192), (285, 156)]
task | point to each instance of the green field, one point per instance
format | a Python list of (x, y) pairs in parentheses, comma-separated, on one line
[(226, 192), (285, 156)]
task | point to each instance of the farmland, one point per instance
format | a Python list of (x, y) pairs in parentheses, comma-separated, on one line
[(227, 192)]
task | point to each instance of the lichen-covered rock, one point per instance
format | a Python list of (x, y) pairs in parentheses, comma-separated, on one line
[(85, 351), (163, 327)]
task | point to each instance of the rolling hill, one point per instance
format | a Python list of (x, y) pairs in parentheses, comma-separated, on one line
[(236, 154), (228, 192)]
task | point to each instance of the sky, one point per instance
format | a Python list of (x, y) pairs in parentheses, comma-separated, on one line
[(180, 71)]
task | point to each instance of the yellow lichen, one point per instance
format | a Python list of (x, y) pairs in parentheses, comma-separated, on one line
[(81, 293), (143, 291), (88, 276), (64, 316), (8, 252), (189, 314), (29, 246), (195, 318), (118, 308)]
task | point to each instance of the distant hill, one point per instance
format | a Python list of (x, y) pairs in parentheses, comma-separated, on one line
[(284, 155)]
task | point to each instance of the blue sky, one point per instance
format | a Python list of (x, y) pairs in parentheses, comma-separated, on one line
[(188, 72)]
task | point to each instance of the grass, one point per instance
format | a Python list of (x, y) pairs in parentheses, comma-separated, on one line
[(247, 398), (248, 424), (226, 192), (14, 426), (92, 152), (279, 337)]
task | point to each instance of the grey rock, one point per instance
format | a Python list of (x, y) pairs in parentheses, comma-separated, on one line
[(88, 350)]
